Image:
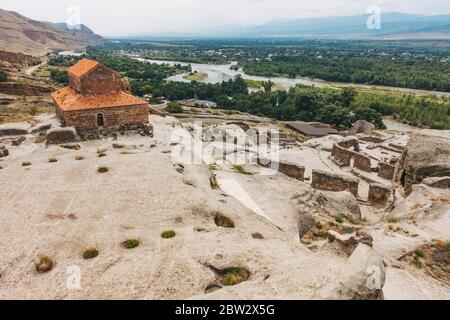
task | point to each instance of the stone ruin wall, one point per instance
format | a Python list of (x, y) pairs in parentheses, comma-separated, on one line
[(386, 171), (293, 171), (289, 169), (322, 180), (379, 194), (344, 156), (361, 162)]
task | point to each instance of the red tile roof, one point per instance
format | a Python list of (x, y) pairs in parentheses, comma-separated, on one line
[(70, 100), (82, 67)]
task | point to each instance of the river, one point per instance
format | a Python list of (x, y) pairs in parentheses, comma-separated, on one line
[(217, 73)]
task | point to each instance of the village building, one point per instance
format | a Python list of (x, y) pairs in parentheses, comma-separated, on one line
[(98, 97)]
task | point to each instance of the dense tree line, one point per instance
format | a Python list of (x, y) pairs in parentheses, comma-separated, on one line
[(59, 76), (415, 73), (339, 108)]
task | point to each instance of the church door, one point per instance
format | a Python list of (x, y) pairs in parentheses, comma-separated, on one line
[(100, 120)]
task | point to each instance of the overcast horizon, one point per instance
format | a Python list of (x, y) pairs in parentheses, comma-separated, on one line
[(181, 16)]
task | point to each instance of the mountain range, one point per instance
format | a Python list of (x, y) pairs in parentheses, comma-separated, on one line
[(393, 25), (24, 35)]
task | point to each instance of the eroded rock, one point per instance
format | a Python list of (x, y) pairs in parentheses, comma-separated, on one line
[(61, 135)]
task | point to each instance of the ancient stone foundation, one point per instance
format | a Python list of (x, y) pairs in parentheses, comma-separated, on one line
[(386, 171), (379, 194), (289, 169), (361, 162), (322, 180), (344, 156)]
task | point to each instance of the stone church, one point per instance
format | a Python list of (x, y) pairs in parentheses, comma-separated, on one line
[(98, 97)]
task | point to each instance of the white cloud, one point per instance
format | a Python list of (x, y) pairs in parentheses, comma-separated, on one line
[(116, 17)]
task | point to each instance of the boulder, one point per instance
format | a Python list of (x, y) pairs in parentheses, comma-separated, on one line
[(14, 129), (41, 128), (311, 201), (305, 223), (3, 152), (427, 155), (439, 182), (363, 278), (362, 126), (18, 141), (349, 242), (61, 135), (74, 146)]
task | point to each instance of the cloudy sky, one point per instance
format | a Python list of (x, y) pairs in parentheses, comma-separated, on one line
[(127, 17)]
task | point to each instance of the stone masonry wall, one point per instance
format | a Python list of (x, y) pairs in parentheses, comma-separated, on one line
[(293, 171), (361, 162), (387, 171), (342, 155), (113, 117), (379, 194), (101, 80), (289, 169), (322, 180)]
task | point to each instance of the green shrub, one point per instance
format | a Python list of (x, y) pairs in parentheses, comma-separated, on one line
[(130, 244), (169, 234), (234, 276), (90, 254)]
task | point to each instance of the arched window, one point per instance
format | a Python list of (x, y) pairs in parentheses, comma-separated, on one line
[(100, 120)]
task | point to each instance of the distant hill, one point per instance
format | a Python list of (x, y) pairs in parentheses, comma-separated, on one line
[(21, 34), (393, 25), (344, 27)]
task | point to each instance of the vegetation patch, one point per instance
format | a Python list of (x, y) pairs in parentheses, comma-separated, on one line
[(223, 221), (257, 236), (44, 264), (169, 234), (241, 170), (234, 276), (90, 254), (130, 244), (433, 258), (102, 169)]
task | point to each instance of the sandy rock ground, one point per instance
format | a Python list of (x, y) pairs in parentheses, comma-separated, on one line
[(59, 209)]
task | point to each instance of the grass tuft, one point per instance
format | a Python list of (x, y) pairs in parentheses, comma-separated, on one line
[(130, 244), (90, 254), (169, 234), (102, 169), (234, 276), (45, 264), (223, 221)]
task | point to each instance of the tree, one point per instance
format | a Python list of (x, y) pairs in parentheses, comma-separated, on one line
[(348, 96), (267, 85), (3, 76), (369, 115), (174, 108), (334, 115)]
